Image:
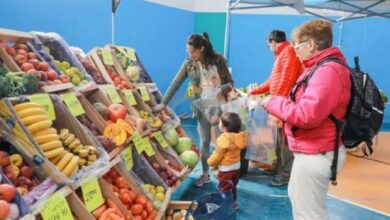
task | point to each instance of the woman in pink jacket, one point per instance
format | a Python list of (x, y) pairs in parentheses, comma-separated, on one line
[(310, 133)]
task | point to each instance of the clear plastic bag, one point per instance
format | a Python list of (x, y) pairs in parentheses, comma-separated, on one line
[(261, 137), (209, 105)]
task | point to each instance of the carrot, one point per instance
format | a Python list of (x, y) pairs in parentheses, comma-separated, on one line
[(106, 213), (111, 204), (99, 210)]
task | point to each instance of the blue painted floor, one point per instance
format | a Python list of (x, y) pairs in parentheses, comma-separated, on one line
[(258, 200)]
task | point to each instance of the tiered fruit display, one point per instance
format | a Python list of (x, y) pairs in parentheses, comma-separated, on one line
[(30, 63), (155, 193), (75, 75), (87, 153), (172, 214), (20, 174), (167, 175), (137, 204), (9, 210), (154, 122), (119, 81)]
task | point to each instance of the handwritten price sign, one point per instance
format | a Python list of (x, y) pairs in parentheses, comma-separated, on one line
[(107, 57), (92, 194), (130, 97), (144, 93), (56, 208), (114, 96), (160, 139), (73, 104), (128, 158), (148, 148), (138, 142), (45, 101)]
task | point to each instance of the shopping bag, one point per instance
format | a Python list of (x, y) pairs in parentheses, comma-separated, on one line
[(214, 206), (262, 132), (209, 105)]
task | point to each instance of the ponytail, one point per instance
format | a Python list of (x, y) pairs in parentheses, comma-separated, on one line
[(202, 40)]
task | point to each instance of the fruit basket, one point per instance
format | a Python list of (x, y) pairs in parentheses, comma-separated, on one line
[(109, 67), (74, 151), (19, 54), (12, 206), (62, 57)]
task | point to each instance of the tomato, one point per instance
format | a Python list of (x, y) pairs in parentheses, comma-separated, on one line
[(121, 182), (51, 75), (137, 209), (112, 173), (125, 198), (141, 200), (117, 111)]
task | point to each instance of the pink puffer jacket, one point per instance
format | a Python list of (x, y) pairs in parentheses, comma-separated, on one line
[(328, 92)]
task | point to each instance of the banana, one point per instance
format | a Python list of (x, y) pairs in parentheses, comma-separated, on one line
[(51, 145), (34, 118), (77, 149), (26, 105), (64, 133), (64, 161), (53, 153), (46, 138), (74, 171), (91, 149), (82, 162), (69, 139), (59, 157), (92, 158), (31, 111), (70, 167), (83, 153), (39, 126), (45, 131), (74, 143)]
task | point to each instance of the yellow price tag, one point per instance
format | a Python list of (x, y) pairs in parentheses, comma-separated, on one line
[(45, 101), (131, 54), (114, 96), (73, 104), (148, 148), (107, 57), (128, 158), (123, 51), (160, 139), (144, 93), (92, 194), (138, 142), (56, 208), (130, 97)]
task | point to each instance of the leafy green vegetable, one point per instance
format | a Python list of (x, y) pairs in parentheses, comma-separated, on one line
[(6, 88)]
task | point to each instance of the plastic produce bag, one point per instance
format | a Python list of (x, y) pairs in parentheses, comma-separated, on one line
[(145, 171), (239, 106), (209, 105), (261, 137), (214, 206)]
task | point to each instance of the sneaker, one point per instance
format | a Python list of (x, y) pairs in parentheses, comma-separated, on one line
[(205, 178), (279, 181), (235, 206)]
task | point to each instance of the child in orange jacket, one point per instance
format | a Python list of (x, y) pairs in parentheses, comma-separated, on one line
[(226, 156)]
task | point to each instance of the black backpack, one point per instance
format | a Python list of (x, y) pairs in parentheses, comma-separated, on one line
[(364, 115)]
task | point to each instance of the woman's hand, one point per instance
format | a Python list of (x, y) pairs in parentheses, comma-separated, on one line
[(265, 101)]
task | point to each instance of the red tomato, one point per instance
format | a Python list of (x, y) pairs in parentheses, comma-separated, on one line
[(141, 200), (117, 111), (120, 182), (125, 198)]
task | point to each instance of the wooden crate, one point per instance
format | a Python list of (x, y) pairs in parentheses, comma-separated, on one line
[(64, 119), (174, 206), (75, 204), (11, 36)]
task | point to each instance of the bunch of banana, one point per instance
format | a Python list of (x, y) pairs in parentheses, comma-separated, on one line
[(36, 120), (88, 154)]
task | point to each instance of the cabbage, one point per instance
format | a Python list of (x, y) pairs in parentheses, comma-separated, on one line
[(184, 144), (172, 136), (189, 158)]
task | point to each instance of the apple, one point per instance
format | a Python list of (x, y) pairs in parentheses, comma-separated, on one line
[(26, 171), (12, 169), (117, 111), (4, 159), (22, 190), (23, 181), (16, 160), (7, 192), (4, 209)]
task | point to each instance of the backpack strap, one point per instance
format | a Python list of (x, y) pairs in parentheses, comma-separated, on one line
[(333, 168)]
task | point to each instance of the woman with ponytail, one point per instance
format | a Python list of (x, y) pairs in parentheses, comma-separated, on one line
[(206, 69)]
